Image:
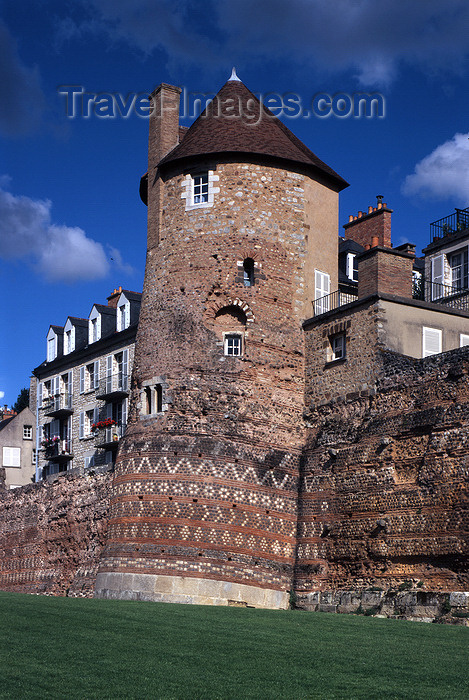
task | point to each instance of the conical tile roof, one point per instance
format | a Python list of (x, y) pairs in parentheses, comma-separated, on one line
[(236, 122)]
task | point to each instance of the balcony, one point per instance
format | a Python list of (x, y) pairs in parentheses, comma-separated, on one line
[(59, 451), (114, 386), (109, 439), (452, 297), (59, 405), (333, 301), (450, 225)]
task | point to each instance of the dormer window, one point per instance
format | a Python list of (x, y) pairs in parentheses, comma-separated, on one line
[(51, 353), (69, 338), (68, 342), (123, 314), (94, 330), (94, 326), (52, 345)]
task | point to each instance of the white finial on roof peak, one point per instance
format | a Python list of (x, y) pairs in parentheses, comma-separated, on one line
[(233, 75)]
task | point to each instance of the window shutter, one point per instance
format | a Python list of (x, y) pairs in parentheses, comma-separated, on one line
[(321, 290), (109, 373), (96, 375), (127, 315), (40, 387), (438, 276), (81, 429), (109, 410), (12, 456), (431, 341), (124, 415), (82, 380), (95, 414), (125, 370), (55, 428)]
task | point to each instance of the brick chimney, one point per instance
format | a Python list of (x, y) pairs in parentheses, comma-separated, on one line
[(372, 227), (163, 137), (114, 298), (386, 271)]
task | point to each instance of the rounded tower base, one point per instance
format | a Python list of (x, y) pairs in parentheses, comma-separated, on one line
[(177, 589)]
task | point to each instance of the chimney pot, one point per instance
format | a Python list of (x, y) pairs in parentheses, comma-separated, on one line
[(350, 218), (374, 241), (370, 209)]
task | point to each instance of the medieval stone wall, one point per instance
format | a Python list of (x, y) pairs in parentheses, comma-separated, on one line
[(384, 498), (52, 534)]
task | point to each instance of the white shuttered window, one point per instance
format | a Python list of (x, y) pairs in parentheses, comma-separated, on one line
[(322, 286), (431, 341), (438, 276)]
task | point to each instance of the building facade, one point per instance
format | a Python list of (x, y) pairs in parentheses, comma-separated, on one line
[(18, 448), (80, 393)]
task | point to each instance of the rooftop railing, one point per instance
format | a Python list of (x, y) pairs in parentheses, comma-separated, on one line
[(452, 297), (450, 225), (333, 301)]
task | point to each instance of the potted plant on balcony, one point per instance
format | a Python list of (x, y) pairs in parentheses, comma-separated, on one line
[(103, 424)]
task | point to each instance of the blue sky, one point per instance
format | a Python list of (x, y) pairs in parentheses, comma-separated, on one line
[(72, 226)]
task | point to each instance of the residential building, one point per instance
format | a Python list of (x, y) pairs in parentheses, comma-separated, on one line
[(81, 391), (18, 448)]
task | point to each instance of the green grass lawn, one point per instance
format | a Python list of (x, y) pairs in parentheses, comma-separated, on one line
[(72, 648)]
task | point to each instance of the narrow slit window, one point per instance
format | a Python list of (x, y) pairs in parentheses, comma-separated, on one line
[(248, 267)]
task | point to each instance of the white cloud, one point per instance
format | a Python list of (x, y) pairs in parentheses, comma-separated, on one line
[(21, 98), (116, 260), (444, 173), (59, 253), (372, 39), (2, 394)]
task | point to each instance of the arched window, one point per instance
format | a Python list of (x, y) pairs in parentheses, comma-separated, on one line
[(231, 322), (248, 267)]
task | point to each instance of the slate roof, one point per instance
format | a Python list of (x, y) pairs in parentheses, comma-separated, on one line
[(132, 296), (236, 122), (109, 310), (348, 245), (76, 321)]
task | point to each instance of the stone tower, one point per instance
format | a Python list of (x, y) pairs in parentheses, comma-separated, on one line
[(242, 217)]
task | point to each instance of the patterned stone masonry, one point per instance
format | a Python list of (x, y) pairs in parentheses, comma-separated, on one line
[(52, 535), (208, 488), (383, 497)]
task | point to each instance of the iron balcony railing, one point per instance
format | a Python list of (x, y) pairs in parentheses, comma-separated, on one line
[(113, 434), (114, 384), (333, 301), (450, 225), (61, 448), (452, 297), (58, 402)]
